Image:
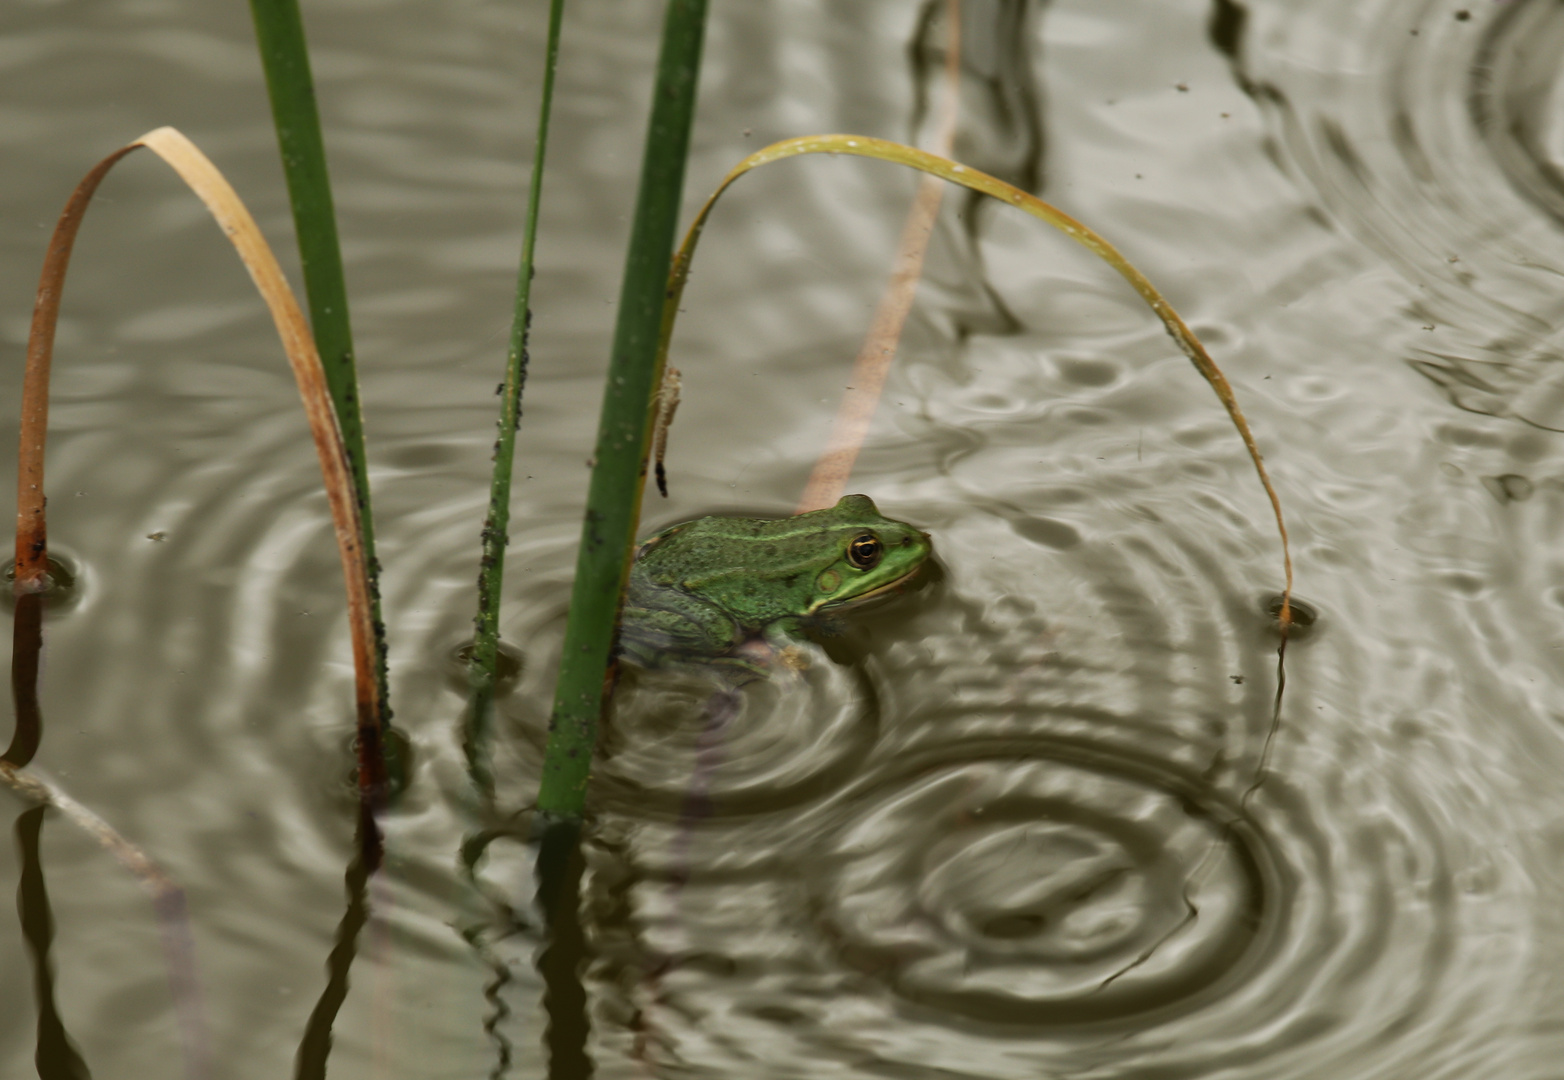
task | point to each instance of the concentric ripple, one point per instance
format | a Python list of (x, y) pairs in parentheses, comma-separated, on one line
[(683, 744), (1063, 854), (1043, 884), (1040, 825), (1436, 141)]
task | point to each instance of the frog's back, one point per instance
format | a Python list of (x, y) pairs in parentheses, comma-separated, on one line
[(715, 547)]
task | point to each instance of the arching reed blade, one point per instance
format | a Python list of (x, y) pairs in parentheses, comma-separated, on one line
[(981, 182), (225, 206)]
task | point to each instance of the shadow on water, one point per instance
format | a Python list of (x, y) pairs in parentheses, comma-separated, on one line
[(57, 1057)]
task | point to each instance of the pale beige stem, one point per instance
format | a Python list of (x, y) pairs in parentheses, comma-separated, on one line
[(168, 903), (36, 789), (828, 481)]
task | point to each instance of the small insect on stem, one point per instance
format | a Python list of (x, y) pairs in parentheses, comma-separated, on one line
[(667, 405)]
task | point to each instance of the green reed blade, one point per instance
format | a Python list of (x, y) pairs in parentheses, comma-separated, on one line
[(481, 671), (279, 33), (624, 429)]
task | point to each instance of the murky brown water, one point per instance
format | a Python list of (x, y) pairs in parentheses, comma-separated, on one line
[(1012, 832)]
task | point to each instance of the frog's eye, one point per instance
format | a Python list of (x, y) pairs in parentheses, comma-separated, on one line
[(864, 551)]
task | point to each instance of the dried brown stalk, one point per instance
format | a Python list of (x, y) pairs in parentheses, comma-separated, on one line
[(225, 206)]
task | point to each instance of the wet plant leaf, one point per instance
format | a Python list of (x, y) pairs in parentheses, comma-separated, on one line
[(279, 34), (625, 425)]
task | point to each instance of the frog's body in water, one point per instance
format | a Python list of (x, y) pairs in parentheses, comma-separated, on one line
[(701, 589)]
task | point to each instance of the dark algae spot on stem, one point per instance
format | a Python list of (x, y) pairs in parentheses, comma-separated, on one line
[(1305, 616), (60, 583)]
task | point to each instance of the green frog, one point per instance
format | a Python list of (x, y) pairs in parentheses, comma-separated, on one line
[(704, 591)]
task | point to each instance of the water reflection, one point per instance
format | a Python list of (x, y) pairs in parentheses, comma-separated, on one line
[(1426, 136), (56, 1055)]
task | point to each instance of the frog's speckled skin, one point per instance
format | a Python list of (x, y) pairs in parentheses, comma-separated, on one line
[(700, 589)]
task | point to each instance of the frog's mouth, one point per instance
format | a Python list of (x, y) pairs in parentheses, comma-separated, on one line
[(882, 592)]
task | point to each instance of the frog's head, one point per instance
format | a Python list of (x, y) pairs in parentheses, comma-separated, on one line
[(873, 555)]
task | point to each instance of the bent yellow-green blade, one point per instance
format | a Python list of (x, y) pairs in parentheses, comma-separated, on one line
[(956, 173)]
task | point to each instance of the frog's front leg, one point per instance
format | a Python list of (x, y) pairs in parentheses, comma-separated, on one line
[(784, 633), (785, 637)]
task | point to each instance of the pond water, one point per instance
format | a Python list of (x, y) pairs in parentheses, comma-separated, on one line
[(1034, 820)]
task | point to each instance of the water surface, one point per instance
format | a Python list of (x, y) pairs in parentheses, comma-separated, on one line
[(1018, 826)]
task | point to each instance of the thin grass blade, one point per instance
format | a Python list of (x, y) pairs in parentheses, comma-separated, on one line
[(482, 668)]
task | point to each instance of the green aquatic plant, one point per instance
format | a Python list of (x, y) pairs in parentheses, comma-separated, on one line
[(624, 433), (483, 666)]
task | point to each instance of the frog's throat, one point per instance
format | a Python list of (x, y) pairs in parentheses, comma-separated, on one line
[(853, 601)]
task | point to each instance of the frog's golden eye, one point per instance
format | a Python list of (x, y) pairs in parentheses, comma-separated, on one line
[(864, 551)]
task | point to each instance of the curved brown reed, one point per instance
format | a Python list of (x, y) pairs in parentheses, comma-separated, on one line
[(225, 206)]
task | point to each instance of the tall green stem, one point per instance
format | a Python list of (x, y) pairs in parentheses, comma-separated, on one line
[(491, 569), (624, 429), (279, 32)]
